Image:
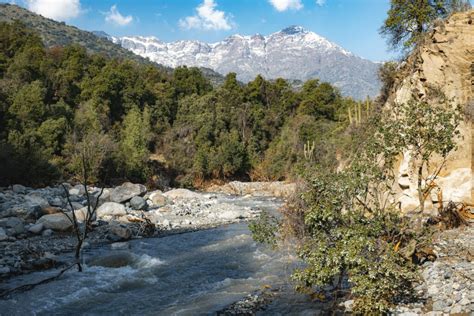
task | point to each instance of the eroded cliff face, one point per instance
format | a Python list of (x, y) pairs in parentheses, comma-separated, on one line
[(445, 63)]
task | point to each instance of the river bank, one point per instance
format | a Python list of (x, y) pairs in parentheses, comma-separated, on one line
[(34, 228)]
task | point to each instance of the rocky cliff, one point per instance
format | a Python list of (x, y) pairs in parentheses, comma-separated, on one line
[(443, 63)]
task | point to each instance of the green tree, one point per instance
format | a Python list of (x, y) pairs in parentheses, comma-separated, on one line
[(135, 136), (408, 20)]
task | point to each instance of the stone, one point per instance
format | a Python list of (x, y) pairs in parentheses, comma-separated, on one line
[(35, 199), (127, 191), (433, 290), (77, 190), (456, 309), (56, 201), (36, 229), (18, 189), (47, 233), (166, 223), (4, 270), (59, 222), (113, 260), (182, 194), (138, 203), (3, 234), (121, 232), (439, 305), (16, 225), (111, 209), (158, 199), (465, 301)]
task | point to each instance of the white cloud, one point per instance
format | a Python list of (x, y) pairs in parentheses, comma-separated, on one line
[(207, 18), (320, 2), (283, 5), (55, 9), (116, 17)]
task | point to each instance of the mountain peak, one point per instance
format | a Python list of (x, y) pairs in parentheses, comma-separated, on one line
[(293, 30)]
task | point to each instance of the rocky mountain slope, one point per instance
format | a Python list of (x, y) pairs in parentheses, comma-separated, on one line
[(444, 63), (56, 33), (293, 53)]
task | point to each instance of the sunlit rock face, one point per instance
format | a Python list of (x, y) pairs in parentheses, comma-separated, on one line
[(444, 62)]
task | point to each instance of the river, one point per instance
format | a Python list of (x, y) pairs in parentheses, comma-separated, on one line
[(196, 273)]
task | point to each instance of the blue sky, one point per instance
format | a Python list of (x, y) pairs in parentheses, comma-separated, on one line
[(353, 24)]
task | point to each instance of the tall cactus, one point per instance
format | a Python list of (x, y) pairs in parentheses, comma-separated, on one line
[(309, 150)]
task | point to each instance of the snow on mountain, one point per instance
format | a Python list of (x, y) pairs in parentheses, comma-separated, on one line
[(292, 53)]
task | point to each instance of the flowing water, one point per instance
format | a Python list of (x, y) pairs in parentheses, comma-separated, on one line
[(195, 273)]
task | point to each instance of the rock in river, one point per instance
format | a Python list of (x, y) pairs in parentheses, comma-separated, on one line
[(127, 191), (111, 209), (55, 222)]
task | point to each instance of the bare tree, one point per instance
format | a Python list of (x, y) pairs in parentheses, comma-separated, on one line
[(82, 230)]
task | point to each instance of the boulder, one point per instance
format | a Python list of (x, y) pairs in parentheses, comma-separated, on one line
[(119, 232), (35, 199), (19, 189), (182, 194), (77, 190), (113, 260), (138, 203), (127, 191), (56, 201), (47, 233), (111, 209), (36, 229), (3, 234), (59, 222), (158, 199), (14, 224)]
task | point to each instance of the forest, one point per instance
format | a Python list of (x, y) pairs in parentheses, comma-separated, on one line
[(139, 120)]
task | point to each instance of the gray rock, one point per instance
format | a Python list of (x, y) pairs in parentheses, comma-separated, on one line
[(59, 222), (35, 199), (182, 194), (111, 209), (77, 190), (138, 203), (3, 234), (19, 189), (36, 229), (47, 233), (113, 260), (127, 191), (456, 309), (439, 305), (16, 225), (465, 301), (56, 201), (158, 199), (121, 232), (4, 270)]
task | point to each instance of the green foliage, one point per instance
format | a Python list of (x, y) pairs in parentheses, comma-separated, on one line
[(264, 229), (135, 138), (349, 229), (408, 20), (56, 101)]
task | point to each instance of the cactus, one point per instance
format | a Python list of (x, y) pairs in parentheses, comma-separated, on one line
[(309, 150)]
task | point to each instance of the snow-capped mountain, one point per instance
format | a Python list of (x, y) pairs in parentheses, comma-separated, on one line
[(293, 53)]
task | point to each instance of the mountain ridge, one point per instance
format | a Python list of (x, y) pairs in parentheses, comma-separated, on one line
[(293, 53)]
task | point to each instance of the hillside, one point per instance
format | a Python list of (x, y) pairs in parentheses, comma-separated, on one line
[(55, 33), (293, 53)]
